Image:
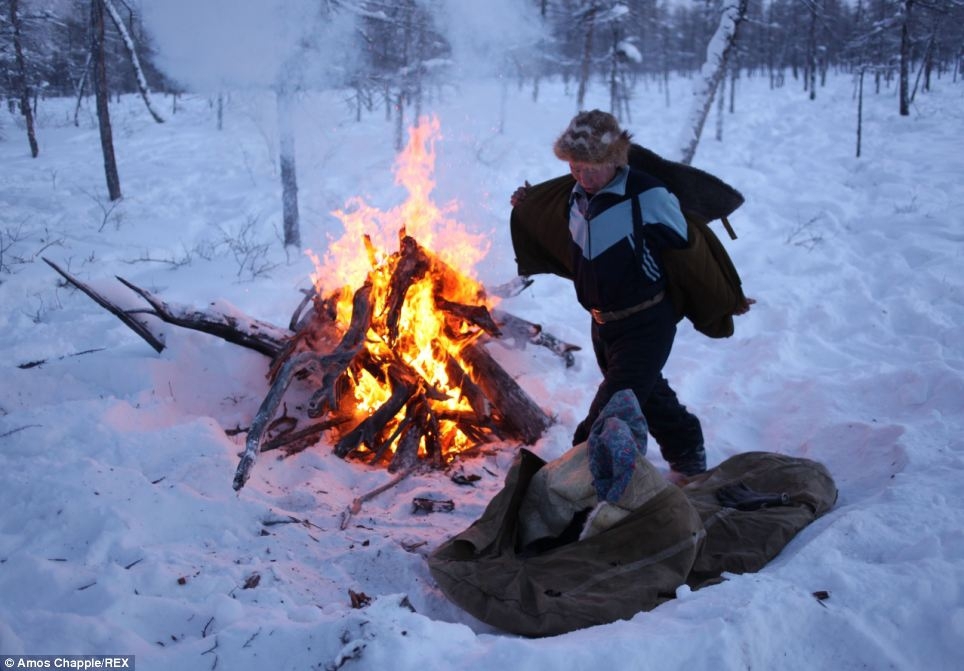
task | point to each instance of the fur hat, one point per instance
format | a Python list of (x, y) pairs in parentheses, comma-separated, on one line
[(594, 137)]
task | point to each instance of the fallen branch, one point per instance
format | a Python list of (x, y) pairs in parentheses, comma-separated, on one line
[(40, 362), (138, 327), (522, 331), (251, 333), (296, 441)]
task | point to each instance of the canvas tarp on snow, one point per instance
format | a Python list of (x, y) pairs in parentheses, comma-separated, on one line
[(690, 535)]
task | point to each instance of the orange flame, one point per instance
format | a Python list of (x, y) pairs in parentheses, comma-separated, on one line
[(365, 251)]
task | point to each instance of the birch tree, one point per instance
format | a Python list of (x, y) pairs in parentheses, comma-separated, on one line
[(134, 60), (102, 96), (708, 79)]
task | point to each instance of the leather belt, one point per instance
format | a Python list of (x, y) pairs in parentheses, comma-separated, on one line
[(606, 317)]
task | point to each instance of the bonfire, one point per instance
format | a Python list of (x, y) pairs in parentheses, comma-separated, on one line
[(387, 350)]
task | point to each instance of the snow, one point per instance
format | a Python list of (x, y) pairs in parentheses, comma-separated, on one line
[(121, 533)]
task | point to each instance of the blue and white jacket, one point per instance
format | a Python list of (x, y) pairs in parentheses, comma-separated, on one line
[(614, 269)]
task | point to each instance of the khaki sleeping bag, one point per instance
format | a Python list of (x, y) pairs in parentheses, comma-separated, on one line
[(734, 518)]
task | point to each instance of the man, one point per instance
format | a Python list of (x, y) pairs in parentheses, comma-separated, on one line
[(620, 221)]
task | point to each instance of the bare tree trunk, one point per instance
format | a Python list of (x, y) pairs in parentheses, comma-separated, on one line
[(905, 60), (734, 75), (810, 81), (589, 28), (720, 104), (103, 111), (289, 174), (132, 55), (614, 74), (400, 121), (925, 67), (82, 85), (23, 88), (860, 110), (734, 11)]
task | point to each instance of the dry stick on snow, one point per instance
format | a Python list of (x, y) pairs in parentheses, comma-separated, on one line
[(357, 502), (266, 411), (513, 287), (40, 362)]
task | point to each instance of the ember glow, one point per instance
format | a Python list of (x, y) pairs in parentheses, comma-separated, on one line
[(420, 239)]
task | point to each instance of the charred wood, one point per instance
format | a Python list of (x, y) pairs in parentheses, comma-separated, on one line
[(519, 412), (367, 431), (297, 441), (406, 452), (477, 315), (472, 392), (335, 363), (411, 266)]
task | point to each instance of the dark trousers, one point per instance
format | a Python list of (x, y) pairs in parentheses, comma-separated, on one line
[(631, 353)]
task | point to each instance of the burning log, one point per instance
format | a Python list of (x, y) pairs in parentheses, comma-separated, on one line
[(404, 384), (412, 265), (519, 413), (338, 361)]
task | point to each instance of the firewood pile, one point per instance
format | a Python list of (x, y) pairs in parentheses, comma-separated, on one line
[(367, 383), (421, 400)]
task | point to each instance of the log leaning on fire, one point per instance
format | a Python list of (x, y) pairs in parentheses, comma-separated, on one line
[(329, 367)]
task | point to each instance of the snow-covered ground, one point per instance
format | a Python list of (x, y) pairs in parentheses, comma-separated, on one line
[(121, 532)]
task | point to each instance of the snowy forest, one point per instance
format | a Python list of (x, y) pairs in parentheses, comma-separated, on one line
[(392, 54)]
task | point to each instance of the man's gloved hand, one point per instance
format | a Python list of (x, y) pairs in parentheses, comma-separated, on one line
[(519, 194)]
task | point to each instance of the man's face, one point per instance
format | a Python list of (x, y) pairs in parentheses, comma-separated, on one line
[(592, 176)]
